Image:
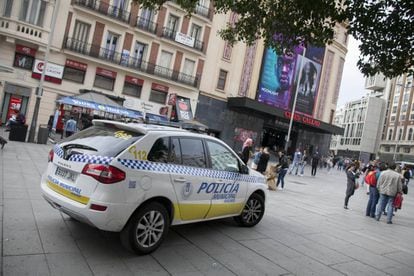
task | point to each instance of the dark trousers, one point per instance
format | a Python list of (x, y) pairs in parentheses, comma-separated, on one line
[(347, 200), (281, 177), (372, 202), (314, 168)]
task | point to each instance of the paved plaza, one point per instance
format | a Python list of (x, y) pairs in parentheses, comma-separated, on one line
[(305, 231)]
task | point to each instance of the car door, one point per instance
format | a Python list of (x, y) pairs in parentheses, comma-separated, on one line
[(190, 177), (230, 195)]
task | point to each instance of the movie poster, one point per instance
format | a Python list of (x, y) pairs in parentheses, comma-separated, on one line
[(275, 85)]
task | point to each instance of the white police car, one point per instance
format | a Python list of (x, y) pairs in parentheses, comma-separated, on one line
[(139, 179)]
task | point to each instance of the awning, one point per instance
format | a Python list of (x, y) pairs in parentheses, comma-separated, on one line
[(101, 107)]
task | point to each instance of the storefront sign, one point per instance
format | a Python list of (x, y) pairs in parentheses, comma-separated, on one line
[(303, 119), (183, 108), (14, 106), (76, 64), (133, 80), (159, 87), (184, 39), (144, 106), (106, 73), (54, 72), (25, 50)]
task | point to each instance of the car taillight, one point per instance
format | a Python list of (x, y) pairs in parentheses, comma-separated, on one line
[(104, 173), (50, 157)]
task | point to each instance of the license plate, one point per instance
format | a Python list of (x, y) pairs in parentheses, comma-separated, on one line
[(69, 175)]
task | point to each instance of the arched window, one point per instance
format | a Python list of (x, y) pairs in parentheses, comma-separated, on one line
[(390, 135), (410, 134), (400, 134)]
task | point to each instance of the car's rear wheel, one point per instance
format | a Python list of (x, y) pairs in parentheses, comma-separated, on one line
[(146, 229), (252, 212)]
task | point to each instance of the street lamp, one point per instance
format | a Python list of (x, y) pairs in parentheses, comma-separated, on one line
[(39, 89), (294, 101)]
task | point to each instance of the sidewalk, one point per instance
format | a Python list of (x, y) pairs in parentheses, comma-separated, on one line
[(305, 231)]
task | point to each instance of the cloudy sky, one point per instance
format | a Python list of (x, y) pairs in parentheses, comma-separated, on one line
[(352, 85)]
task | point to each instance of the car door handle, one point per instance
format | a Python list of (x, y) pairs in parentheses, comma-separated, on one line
[(180, 180)]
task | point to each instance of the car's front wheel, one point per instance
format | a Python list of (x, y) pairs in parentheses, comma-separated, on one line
[(252, 212), (146, 229)]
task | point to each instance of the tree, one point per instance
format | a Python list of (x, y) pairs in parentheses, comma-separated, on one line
[(384, 27)]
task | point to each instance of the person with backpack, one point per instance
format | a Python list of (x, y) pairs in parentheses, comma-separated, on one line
[(372, 174)]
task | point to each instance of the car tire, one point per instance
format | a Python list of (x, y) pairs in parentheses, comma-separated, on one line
[(146, 229), (252, 212)]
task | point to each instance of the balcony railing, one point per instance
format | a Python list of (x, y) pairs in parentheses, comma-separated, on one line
[(171, 35), (146, 25), (204, 11), (106, 9), (23, 30), (131, 62)]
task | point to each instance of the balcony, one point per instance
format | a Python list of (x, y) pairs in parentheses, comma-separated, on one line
[(182, 39), (118, 58), (204, 11), (24, 31), (105, 9), (146, 25)]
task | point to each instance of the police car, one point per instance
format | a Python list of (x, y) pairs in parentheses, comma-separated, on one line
[(139, 179)]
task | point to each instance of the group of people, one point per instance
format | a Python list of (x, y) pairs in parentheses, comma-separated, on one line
[(386, 186)]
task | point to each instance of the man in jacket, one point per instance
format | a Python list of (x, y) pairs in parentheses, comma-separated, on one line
[(389, 184)]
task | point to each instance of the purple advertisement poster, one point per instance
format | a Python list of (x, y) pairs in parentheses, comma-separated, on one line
[(280, 74)]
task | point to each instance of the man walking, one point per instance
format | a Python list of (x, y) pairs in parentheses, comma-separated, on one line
[(297, 158), (389, 184), (70, 127), (315, 162)]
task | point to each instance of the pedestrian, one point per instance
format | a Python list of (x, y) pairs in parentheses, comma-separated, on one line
[(304, 162), (70, 127), (297, 157), (351, 177), (256, 157), (314, 163), (406, 173), (371, 178), (263, 160), (389, 184), (282, 168), (246, 150), (2, 142)]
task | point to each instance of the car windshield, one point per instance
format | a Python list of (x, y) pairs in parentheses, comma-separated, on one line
[(104, 140)]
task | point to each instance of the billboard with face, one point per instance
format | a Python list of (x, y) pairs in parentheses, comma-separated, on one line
[(280, 75)]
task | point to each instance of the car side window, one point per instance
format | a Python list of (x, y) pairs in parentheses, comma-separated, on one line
[(175, 155), (192, 152), (221, 158), (159, 151)]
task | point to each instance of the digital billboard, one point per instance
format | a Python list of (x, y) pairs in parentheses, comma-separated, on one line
[(282, 75)]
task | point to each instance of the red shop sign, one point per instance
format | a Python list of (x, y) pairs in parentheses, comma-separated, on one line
[(303, 119), (76, 64), (133, 80), (106, 73), (25, 50), (159, 87)]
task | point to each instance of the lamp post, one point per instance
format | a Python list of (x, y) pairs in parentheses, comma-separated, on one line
[(39, 89), (294, 101)]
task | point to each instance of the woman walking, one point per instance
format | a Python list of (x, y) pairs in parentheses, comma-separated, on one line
[(350, 183), (263, 160), (283, 168), (246, 150)]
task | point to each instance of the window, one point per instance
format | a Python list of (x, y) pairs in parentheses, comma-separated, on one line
[(33, 11), (195, 32), (188, 67), (410, 134), (104, 82), (412, 117), (147, 15), (394, 109), (222, 80), (406, 150), (390, 134), (140, 52), (175, 156), (7, 7), (119, 7), (132, 89), (73, 74), (402, 117), (392, 119), (221, 158), (157, 96), (159, 151), (80, 36), (400, 134), (110, 46), (165, 64), (404, 107), (173, 22), (387, 148), (192, 152), (396, 99), (23, 61)]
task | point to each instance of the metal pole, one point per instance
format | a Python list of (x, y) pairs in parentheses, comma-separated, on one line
[(39, 89), (294, 101)]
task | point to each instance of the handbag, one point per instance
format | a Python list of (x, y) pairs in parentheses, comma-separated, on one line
[(405, 188), (356, 186)]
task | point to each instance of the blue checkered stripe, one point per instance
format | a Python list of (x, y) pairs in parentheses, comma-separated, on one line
[(92, 159), (58, 150), (179, 169)]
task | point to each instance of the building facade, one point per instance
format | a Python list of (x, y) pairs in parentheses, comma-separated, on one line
[(362, 121), (397, 137), (239, 98), (142, 59)]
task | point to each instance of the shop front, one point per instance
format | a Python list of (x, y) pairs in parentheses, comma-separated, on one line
[(15, 100)]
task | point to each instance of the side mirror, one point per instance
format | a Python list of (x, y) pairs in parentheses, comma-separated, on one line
[(244, 169)]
